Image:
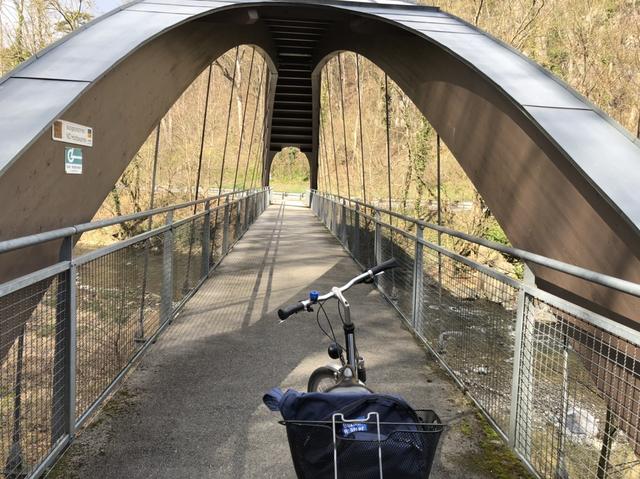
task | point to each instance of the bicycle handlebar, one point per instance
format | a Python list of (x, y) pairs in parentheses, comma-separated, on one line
[(287, 311), (284, 313), (391, 263)]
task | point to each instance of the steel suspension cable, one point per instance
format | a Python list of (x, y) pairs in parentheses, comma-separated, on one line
[(255, 167), (260, 159), (143, 294), (386, 109), (244, 116), (323, 163), (326, 160), (226, 136), (344, 126), (439, 201), (202, 137), (322, 181), (185, 286), (260, 163), (333, 138), (263, 77), (154, 170), (364, 187), (439, 183), (323, 135)]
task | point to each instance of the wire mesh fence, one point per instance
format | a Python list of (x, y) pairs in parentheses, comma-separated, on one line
[(398, 284), (70, 331), (30, 372), (560, 383), (109, 299), (469, 317), (579, 394), (187, 258)]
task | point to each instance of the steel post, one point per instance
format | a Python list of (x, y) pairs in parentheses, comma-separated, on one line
[(328, 205), (15, 464), (355, 247), (64, 366), (70, 402), (378, 238), (238, 218), (206, 240), (248, 212), (255, 206), (418, 278), (520, 420), (344, 237), (561, 467), (225, 228), (166, 299)]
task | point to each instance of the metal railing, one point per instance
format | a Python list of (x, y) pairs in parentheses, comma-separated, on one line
[(278, 197), (560, 383), (69, 332)]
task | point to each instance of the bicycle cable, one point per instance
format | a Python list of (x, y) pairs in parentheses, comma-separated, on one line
[(340, 313), (332, 337), (342, 319)]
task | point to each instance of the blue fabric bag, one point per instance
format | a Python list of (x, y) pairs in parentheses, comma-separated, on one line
[(406, 447)]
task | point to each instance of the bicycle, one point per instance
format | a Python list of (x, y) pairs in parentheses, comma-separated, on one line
[(351, 373), (342, 429)]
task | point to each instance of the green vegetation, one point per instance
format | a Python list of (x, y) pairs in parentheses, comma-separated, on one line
[(494, 457), (27, 26), (465, 428), (290, 171)]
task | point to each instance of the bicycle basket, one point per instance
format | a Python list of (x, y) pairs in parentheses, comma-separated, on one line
[(364, 448)]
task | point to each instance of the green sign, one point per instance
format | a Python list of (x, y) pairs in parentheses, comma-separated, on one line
[(73, 161)]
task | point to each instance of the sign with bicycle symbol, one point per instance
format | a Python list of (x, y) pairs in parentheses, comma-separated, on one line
[(73, 161)]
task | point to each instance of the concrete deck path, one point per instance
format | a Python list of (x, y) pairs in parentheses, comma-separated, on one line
[(193, 406)]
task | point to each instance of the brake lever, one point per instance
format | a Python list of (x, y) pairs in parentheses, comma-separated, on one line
[(371, 279)]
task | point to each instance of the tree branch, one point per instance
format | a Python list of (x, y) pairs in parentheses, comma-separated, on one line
[(478, 12)]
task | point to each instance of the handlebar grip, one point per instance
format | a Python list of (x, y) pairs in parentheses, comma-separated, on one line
[(287, 311), (391, 263)]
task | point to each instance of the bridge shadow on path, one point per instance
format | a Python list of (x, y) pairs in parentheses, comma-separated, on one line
[(192, 408)]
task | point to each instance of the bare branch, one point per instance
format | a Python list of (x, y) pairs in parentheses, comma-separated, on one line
[(478, 12)]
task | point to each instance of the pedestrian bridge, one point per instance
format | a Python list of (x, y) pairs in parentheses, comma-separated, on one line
[(180, 315), (193, 406)]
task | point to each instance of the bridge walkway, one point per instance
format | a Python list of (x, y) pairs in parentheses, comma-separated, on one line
[(192, 408)]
